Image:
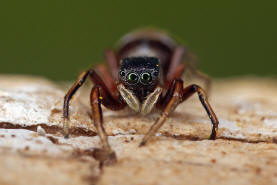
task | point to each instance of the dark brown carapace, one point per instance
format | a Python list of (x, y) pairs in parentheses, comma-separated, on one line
[(145, 73)]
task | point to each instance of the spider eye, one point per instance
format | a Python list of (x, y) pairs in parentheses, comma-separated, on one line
[(146, 77), (132, 78), (122, 73)]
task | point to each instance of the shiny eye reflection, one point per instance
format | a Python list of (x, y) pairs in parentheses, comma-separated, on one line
[(146, 77), (132, 78), (122, 73)]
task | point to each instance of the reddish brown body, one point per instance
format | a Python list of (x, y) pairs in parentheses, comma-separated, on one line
[(145, 72), (150, 43), (156, 44)]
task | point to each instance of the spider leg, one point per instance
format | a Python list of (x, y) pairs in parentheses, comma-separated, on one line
[(80, 81), (189, 91), (176, 59), (176, 68), (100, 94), (109, 80), (207, 81), (110, 100), (178, 73), (95, 100), (173, 98), (111, 58)]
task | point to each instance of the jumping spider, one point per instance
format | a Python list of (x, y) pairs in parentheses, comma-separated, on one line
[(146, 72)]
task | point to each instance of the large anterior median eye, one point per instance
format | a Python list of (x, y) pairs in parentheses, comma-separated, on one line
[(146, 78), (132, 78)]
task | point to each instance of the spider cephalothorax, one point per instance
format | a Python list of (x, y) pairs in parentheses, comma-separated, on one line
[(140, 77)]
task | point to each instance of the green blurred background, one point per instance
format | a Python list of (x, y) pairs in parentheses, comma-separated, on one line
[(60, 38)]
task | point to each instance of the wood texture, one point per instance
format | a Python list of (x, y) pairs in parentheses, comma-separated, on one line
[(33, 150)]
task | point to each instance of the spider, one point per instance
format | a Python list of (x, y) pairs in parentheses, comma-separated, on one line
[(145, 73)]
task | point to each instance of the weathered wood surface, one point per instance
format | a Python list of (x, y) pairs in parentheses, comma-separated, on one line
[(33, 151)]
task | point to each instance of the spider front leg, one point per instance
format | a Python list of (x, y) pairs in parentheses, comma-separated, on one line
[(95, 101), (170, 105), (173, 98), (111, 95), (100, 94)]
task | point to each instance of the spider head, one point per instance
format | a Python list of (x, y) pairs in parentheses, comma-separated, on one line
[(140, 75)]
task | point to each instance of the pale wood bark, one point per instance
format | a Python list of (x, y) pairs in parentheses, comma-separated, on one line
[(33, 150)]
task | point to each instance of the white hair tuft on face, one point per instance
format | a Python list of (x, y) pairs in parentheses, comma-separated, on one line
[(133, 102), (150, 101), (129, 98)]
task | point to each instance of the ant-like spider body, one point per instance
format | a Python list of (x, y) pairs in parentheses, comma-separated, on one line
[(146, 72)]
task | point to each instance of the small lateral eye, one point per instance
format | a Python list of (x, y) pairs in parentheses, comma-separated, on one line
[(132, 78), (146, 77), (122, 73)]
